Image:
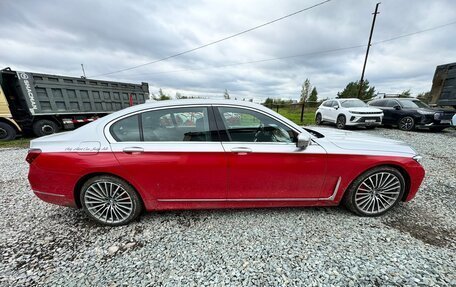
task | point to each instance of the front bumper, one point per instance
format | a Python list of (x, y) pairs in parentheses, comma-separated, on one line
[(364, 120)]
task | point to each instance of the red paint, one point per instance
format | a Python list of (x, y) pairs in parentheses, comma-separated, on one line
[(219, 177)]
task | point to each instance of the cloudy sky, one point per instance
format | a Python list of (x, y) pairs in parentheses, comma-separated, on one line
[(57, 36)]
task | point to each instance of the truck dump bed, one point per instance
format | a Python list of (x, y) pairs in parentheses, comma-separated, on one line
[(443, 92), (41, 94)]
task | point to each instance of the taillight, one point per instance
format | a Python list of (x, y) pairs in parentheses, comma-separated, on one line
[(33, 153)]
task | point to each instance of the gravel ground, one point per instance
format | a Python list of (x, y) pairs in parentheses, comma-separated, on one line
[(43, 244)]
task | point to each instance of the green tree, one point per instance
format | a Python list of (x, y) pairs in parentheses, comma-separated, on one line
[(424, 97), (161, 96), (352, 89), (405, 94), (313, 95), (305, 91), (268, 102), (226, 95)]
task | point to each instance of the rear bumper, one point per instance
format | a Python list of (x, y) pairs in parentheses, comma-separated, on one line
[(52, 187)]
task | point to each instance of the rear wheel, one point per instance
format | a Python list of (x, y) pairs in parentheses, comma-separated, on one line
[(375, 192), (406, 123), (110, 201), (340, 123), (7, 132), (318, 119), (45, 127)]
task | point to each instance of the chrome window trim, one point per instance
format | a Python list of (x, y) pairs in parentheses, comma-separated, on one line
[(110, 138)]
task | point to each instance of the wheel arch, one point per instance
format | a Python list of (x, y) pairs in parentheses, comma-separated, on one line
[(12, 123), (391, 165), (78, 186)]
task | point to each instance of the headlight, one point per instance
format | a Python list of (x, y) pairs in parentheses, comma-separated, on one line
[(425, 112), (418, 158), (354, 112)]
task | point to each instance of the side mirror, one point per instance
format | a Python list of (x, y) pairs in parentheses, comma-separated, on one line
[(397, 107), (303, 141), (336, 107)]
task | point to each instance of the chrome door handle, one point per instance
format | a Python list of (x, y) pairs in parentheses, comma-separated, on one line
[(243, 150), (133, 149)]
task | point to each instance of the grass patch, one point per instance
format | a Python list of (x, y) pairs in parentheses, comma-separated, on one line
[(294, 114), (17, 143)]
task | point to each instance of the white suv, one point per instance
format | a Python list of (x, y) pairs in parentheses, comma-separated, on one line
[(348, 112)]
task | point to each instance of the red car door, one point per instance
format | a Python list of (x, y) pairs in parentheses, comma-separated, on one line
[(173, 154), (264, 162)]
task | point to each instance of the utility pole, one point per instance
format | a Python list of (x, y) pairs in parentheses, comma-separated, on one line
[(367, 51), (83, 72)]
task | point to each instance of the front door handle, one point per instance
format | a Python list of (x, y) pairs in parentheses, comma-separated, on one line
[(241, 150), (133, 150)]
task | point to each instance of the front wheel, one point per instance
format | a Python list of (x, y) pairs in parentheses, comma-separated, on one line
[(340, 123), (375, 192), (7, 132), (110, 201), (318, 119)]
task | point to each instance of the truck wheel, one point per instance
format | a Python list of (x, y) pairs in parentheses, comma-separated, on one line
[(7, 132), (44, 128)]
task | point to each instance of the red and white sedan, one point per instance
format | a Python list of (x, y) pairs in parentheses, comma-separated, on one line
[(147, 158)]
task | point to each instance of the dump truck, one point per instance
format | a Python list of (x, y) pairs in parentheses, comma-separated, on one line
[(41, 104), (443, 92)]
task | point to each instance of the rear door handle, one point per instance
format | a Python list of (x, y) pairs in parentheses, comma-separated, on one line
[(133, 150), (241, 150)]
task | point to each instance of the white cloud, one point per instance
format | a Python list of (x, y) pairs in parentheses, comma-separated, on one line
[(57, 36)]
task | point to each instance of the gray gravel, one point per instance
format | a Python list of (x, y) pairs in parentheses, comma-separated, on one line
[(43, 244)]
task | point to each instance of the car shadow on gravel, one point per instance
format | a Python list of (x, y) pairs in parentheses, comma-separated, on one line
[(421, 225)]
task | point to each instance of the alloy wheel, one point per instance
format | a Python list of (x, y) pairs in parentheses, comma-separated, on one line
[(108, 202), (378, 192), (340, 122), (406, 123)]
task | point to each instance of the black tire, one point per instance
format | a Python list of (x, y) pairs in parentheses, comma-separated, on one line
[(119, 207), (318, 119), (340, 122), (406, 123), (7, 132), (45, 127), (355, 196)]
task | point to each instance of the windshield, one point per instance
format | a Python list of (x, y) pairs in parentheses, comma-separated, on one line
[(352, 103), (414, 104)]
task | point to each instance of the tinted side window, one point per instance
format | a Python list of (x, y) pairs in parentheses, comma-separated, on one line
[(245, 125), (177, 124), (126, 129), (378, 103), (326, 104), (391, 103)]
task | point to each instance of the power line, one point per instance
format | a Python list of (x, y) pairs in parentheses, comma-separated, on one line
[(300, 55), (254, 61), (217, 41), (414, 33)]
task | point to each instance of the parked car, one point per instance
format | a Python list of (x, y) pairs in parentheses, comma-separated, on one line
[(348, 112), (453, 121), (127, 162), (409, 113)]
